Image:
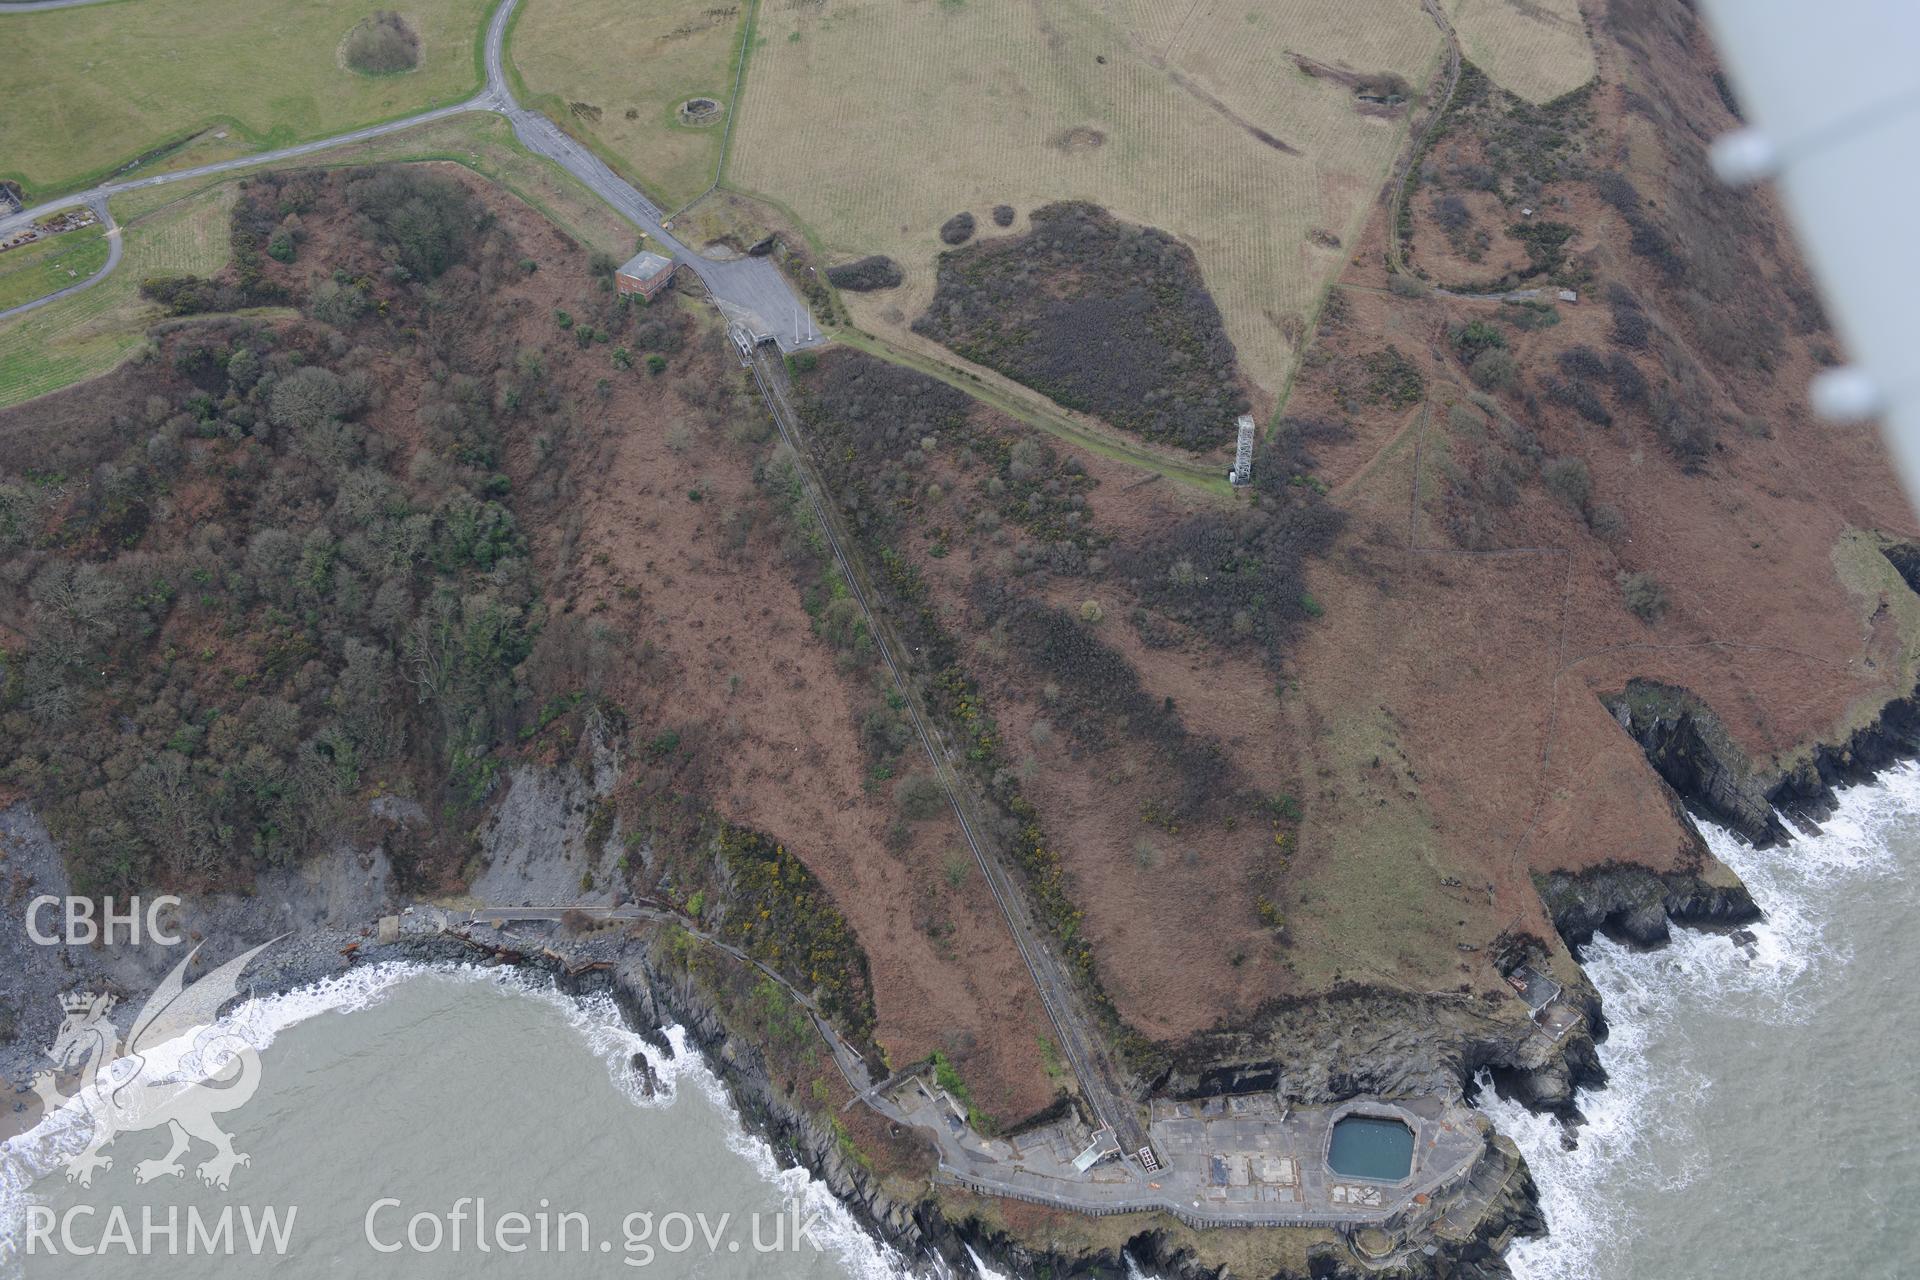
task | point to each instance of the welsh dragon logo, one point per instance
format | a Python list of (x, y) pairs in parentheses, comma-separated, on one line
[(178, 1068)]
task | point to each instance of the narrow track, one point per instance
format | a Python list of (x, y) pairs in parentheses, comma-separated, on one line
[(1417, 143), (750, 291), (1080, 1037)]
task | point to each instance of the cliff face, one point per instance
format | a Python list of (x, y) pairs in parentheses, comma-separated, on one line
[(653, 990), (1636, 904), (1364, 1040), (1686, 744)]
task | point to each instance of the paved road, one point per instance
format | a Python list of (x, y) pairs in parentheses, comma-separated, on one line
[(37, 6), (115, 245), (751, 292), (1193, 1138), (97, 197)]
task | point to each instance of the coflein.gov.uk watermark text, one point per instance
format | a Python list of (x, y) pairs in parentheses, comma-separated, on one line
[(468, 1225)]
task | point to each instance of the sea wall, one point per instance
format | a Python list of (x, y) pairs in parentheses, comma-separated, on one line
[(652, 990)]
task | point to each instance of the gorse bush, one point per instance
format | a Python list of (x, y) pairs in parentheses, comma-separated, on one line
[(1580, 397), (1394, 379), (1582, 361), (1643, 595), (958, 229), (1569, 480), (1494, 369), (1475, 337), (782, 916), (1629, 384)]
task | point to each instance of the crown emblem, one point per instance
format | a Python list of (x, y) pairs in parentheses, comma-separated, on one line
[(82, 1001)]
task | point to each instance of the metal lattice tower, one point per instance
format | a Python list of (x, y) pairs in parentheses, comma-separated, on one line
[(1242, 472)]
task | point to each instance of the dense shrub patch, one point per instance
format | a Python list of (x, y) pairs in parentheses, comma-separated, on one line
[(878, 426), (1644, 595), (876, 271), (382, 44), (1394, 379), (778, 912), (1237, 577), (958, 229), (425, 221), (1580, 397), (1097, 315)]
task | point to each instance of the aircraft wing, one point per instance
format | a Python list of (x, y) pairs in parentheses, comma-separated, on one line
[(1832, 93)]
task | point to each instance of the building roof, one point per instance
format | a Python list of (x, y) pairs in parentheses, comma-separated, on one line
[(645, 265)]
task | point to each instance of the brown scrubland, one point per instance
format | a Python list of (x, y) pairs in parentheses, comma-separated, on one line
[(1326, 734)]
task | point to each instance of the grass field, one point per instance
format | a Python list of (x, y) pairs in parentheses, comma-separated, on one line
[(874, 124), (93, 331), (38, 269), (184, 229), (92, 88), (1535, 49), (614, 73)]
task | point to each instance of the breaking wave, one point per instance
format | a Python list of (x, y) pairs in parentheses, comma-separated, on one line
[(39, 1152), (1645, 1130)]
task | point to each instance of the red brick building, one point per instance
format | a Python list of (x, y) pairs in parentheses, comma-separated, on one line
[(645, 273)]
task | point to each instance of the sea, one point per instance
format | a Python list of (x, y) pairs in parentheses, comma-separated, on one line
[(453, 1122), (1762, 1113), (1761, 1119)]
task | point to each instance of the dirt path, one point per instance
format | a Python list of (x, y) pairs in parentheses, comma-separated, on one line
[(1417, 142)]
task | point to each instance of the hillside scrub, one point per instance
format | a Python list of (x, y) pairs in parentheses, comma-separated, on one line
[(1097, 315), (336, 615), (1393, 379), (1643, 595), (1233, 575), (1714, 250), (1495, 142), (777, 912), (856, 407), (1237, 577), (280, 563), (879, 426), (1100, 698)]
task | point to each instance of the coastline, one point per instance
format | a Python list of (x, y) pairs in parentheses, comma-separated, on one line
[(1686, 1015), (1623, 901), (918, 1224)]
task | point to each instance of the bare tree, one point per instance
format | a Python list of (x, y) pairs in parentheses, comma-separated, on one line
[(161, 795)]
